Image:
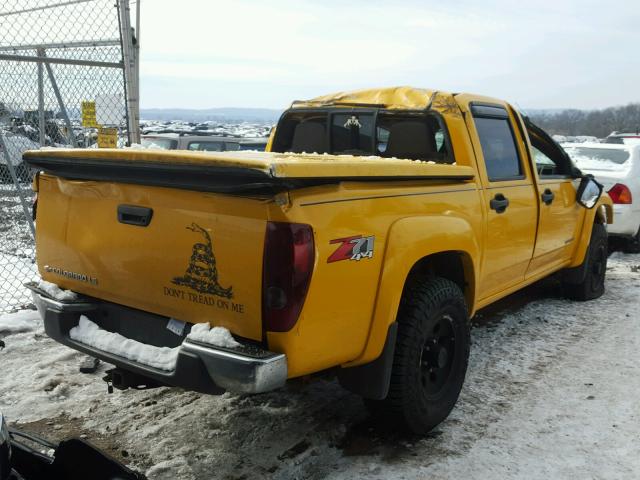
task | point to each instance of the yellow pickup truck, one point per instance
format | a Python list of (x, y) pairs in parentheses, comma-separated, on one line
[(362, 241)]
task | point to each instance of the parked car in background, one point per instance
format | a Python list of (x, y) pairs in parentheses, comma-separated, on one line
[(207, 143), (623, 138), (16, 145), (617, 167)]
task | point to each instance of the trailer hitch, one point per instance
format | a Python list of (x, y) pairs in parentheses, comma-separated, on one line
[(124, 379)]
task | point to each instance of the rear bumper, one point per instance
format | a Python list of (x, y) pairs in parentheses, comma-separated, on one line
[(626, 221), (199, 367)]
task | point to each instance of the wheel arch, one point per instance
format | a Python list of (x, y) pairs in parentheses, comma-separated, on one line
[(602, 213), (442, 245)]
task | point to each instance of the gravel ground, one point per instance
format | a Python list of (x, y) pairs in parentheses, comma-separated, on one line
[(551, 392)]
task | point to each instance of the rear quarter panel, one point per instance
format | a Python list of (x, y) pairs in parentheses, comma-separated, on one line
[(350, 303)]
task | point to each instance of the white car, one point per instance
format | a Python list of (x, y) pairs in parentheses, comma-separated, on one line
[(16, 145), (617, 167), (625, 138)]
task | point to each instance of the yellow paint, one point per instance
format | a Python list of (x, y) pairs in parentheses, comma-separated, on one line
[(350, 304)]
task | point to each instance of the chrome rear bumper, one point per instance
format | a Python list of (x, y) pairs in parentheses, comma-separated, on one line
[(199, 367)]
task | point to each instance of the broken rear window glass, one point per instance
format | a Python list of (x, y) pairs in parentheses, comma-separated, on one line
[(352, 134), (407, 135)]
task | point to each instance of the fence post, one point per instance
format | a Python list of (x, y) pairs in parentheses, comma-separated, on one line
[(129, 57), (41, 105), (56, 91)]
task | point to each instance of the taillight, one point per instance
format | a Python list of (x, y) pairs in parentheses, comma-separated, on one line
[(289, 255), (620, 193)]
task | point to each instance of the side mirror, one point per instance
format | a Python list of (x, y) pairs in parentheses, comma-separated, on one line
[(589, 192)]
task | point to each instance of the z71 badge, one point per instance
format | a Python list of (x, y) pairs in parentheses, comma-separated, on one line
[(352, 248)]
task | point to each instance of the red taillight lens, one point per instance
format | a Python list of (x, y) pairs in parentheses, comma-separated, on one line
[(289, 255), (620, 193)]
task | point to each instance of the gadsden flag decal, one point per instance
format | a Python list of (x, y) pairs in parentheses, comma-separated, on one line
[(352, 248)]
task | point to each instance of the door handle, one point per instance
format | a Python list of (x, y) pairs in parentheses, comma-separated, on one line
[(499, 203), (547, 197), (134, 215)]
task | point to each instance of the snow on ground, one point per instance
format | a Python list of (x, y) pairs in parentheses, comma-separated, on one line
[(16, 248), (15, 270), (22, 321), (551, 392)]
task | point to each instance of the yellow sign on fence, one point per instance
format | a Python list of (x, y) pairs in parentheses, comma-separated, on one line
[(108, 138), (89, 114)]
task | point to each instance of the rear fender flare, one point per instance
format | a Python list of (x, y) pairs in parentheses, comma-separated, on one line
[(410, 240), (601, 213)]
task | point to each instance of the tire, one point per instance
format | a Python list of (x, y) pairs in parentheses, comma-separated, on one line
[(431, 356), (592, 286)]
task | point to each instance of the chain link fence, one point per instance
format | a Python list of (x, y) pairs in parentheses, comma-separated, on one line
[(68, 78)]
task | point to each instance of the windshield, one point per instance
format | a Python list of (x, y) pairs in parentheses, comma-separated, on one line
[(406, 135), (594, 158), (159, 142)]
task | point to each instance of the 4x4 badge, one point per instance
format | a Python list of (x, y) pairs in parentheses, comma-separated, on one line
[(352, 248), (202, 273)]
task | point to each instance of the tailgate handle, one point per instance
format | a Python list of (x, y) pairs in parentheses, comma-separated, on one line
[(134, 215)]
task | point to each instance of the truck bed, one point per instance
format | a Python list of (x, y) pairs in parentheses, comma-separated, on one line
[(233, 171)]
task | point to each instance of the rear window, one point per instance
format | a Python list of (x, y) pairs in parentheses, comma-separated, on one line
[(419, 136), (156, 142), (352, 134), (598, 158), (206, 146)]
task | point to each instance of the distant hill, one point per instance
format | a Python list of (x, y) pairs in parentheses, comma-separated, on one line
[(597, 123), (220, 114)]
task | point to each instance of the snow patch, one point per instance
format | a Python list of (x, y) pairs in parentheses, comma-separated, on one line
[(57, 293), (22, 321), (87, 332), (216, 336)]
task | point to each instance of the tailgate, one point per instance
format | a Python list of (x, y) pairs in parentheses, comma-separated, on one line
[(199, 259)]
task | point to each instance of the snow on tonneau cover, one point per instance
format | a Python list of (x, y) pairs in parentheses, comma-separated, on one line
[(179, 234)]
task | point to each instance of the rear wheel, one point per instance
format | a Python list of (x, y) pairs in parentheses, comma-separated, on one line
[(431, 355), (592, 286)]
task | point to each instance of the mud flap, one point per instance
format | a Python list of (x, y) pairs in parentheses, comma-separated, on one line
[(372, 379)]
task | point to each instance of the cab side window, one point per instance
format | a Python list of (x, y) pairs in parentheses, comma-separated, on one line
[(499, 149), (551, 160), (545, 166)]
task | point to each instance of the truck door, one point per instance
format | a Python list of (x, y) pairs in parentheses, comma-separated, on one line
[(509, 198), (561, 217)]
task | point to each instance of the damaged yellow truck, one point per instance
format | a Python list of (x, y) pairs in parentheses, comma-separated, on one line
[(374, 227)]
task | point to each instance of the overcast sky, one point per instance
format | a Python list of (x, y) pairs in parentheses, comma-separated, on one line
[(250, 53)]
